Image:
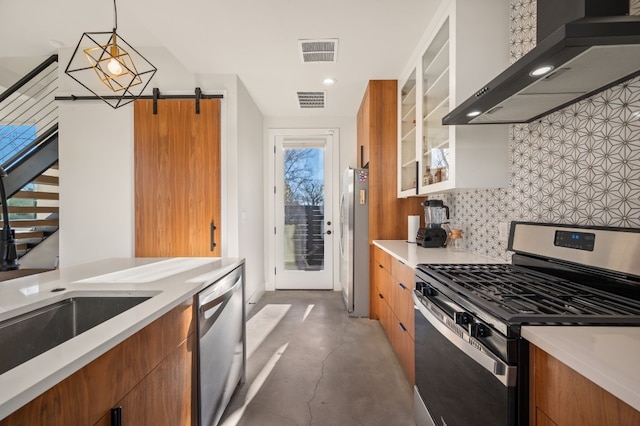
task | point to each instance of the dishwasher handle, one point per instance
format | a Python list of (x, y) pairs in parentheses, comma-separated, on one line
[(208, 300)]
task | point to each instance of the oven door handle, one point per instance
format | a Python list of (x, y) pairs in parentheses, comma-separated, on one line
[(494, 365)]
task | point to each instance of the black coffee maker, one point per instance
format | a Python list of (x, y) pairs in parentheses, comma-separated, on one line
[(436, 216)]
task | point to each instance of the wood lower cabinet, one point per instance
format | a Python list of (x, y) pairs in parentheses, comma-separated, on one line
[(150, 374), (164, 396), (393, 282), (560, 396)]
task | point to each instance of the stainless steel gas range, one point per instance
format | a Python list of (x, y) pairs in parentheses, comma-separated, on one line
[(471, 362)]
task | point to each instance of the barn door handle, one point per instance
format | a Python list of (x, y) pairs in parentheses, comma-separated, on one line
[(116, 416), (212, 236)]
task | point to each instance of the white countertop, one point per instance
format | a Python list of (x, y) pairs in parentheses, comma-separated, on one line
[(412, 254), (608, 356), (169, 281)]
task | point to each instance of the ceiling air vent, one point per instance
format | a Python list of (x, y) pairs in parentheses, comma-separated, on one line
[(325, 50), (311, 99)]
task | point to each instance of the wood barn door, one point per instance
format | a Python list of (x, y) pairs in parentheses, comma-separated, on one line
[(177, 178)]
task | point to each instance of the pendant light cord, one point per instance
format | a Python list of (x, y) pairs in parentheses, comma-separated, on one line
[(115, 16)]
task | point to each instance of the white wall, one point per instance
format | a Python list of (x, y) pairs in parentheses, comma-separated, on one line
[(96, 182), (250, 175)]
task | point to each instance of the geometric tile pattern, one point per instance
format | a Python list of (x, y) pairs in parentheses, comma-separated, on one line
[(522, 28), (580, 165)]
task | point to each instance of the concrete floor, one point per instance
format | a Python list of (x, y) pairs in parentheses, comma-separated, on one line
[(310, 364)]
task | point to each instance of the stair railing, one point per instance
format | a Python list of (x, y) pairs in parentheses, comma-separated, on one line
[(28, 112)]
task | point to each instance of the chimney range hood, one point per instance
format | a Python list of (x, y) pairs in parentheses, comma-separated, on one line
[(587, 45)]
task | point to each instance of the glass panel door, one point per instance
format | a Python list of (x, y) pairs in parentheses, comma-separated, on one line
[(408, 171), (435, 141), (303, 214)]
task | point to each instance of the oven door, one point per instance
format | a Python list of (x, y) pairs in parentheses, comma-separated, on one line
[(458, 381)]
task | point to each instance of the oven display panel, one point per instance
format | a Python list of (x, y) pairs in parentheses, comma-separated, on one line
[(575, 240)]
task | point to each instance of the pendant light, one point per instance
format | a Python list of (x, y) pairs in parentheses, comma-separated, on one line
[(109, 67)]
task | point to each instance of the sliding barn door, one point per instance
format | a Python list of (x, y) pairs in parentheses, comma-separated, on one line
[(177, 178)]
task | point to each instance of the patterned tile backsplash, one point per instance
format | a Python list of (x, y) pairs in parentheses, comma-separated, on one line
[(580, 165)]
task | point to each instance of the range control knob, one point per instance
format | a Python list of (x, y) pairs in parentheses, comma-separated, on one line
[(463, 318), (427, 290), (479, 330)]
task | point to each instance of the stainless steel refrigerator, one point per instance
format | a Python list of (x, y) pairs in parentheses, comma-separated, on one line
[(354, 241)]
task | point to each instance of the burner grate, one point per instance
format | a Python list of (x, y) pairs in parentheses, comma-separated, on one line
[(521, 292)]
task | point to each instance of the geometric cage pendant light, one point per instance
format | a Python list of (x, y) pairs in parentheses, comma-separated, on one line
[(109, 67)]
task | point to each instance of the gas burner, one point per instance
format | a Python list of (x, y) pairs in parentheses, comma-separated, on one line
[(518, 294)]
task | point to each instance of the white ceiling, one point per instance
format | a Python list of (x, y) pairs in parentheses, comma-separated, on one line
[(255, 39)]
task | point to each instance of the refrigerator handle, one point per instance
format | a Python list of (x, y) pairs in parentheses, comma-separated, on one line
[(341, 225)]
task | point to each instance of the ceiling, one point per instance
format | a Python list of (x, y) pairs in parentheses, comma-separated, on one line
[(255, 39)]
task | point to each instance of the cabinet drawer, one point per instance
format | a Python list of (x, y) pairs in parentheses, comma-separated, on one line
[(404, 346), (382, 282), (382, 258), (386, 318), (403, 273), (403, 306), (404, 283)]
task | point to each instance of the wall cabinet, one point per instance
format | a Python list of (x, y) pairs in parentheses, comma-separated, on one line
[(408, 164), (465, 46), (560, 396), (149, 375), (393, 282)]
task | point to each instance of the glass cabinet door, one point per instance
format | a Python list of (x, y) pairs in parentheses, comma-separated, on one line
[(407, 151), (435, 150)]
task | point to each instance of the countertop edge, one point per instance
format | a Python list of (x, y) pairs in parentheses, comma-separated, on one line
[(412, 254), (553, 340), (43, 382)]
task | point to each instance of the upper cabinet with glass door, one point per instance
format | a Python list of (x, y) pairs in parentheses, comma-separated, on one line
[(408, 133), (435, 149), (465, 46)]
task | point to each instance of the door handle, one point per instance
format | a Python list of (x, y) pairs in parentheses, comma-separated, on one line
[(116, 416), (212, 236)]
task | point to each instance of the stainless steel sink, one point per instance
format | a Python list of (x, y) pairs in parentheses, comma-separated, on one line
[(30, 334)]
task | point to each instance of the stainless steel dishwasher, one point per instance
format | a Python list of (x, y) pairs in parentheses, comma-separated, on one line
[(221, 345)]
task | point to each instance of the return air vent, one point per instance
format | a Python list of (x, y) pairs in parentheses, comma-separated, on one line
[(311, 99), (325, 50)]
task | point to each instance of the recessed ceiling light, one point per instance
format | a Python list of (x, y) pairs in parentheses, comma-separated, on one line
[(329, 81), (473, 113), (541, 70)]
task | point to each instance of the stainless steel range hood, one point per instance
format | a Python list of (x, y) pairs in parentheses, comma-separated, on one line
[(589, 54)]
